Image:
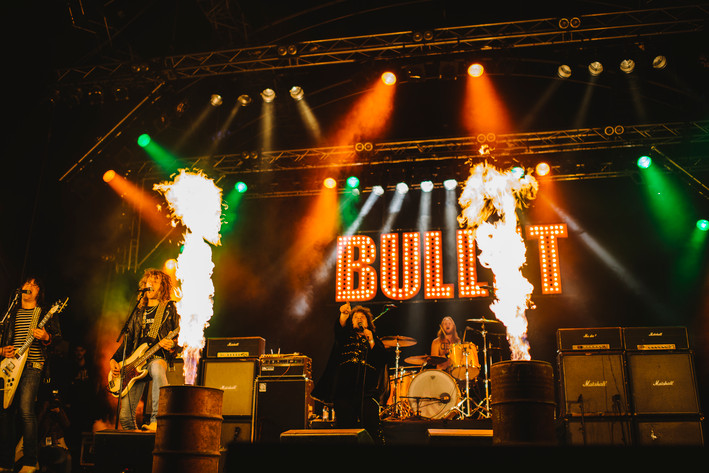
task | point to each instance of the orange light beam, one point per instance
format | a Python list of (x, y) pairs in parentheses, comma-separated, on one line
[(483, 109), (143, 202)]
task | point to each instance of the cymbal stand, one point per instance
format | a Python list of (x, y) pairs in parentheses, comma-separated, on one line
[(484, 411), (398, 411), (466, 400)]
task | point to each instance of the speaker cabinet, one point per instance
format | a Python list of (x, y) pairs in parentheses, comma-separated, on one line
[(663, 383), (236, 379), (669, 431), (593, 384), (460, 437), (280, 405), (117, 451), (175, 376), (598, 431), (235, 429), (327, 436)]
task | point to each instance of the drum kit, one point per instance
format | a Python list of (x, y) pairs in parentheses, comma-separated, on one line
[(422, 391)]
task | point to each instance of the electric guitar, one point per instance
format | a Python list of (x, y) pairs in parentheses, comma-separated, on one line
[(133, 368), (11, 368)]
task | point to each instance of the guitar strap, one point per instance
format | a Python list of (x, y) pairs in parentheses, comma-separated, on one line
[(157, 321), (35, 318)]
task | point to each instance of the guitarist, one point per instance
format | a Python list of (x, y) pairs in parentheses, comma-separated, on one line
[(22, 323), (154, 317)]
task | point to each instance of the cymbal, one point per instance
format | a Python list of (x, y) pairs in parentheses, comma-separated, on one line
[(399, 340), (424, 359), (484, 321)]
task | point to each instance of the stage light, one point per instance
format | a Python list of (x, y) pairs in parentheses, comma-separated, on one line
[(426, 186), (659, 62), (402, 188), (627, 65), (170, 265), (644, 162), (476, 70), (268, 95), (518, 172), (240, 187), (352, 182), (703, 225), (109, 175), (389, 78), (330, 183), (244, 100), (450, 184), (595, 68), (542, 169), (215, 100), (564, 71), (378, 190), (143, 140), (297, 92)]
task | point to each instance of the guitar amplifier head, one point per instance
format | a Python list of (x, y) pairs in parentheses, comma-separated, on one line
[(277, 366), (234, 347)]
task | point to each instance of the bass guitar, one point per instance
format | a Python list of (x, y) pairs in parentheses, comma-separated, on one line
[(133, 368), (11, 368)]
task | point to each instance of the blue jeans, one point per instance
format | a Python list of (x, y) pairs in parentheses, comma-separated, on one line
[(157, 370), (24, 404)]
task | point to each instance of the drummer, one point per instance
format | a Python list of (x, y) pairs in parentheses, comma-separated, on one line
[(441, 345)]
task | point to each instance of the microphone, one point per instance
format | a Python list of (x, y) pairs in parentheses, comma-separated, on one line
[(390, 305), (445, 398), (24, 291), (143, 290)]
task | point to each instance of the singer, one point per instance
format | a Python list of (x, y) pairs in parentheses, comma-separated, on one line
[(155, 316), (21, 326), (355, 380)]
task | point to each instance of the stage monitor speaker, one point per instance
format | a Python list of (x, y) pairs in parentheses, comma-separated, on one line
[(599, 431), (460, 437), (280, 405), (236, 379), (593, 384), (327, 436), (118, 451), (663, 383), (669, 432)]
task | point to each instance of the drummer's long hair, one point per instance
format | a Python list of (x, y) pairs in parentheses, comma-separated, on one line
[(442, 333)]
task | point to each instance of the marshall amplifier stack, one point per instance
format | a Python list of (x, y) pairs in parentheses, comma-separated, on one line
[(282, 399), (628, 386)]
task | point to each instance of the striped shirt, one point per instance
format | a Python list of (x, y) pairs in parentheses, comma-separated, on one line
[(22, 331)]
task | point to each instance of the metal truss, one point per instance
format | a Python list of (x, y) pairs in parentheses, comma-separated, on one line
[(604, 148), (581, 31)]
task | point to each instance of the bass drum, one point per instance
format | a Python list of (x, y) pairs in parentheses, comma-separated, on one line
[(433, 394)]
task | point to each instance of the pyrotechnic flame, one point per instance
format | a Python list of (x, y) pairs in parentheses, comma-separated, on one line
[(196, 201), (489, 201)]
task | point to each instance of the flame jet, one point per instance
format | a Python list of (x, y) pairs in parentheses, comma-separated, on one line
[(196, 201), (489, 201)]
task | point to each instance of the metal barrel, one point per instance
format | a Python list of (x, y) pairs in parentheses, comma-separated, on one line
[(189, 425), (522, 403)]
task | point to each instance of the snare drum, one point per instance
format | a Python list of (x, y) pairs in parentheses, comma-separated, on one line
[(462, 355), (433, 394)]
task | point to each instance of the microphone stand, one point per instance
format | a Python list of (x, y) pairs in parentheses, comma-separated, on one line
[(120, 377)]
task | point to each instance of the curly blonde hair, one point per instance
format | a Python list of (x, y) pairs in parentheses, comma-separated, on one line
[(165, 289)]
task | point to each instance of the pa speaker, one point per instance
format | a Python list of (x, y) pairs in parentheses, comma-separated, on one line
[(236, 379), (281, 405), (117, 451), (663, 383), (327, 436), (593, 384)]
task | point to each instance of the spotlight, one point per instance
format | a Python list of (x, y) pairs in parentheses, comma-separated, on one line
[(240, 187), (389, 78), (330, 183), (426, 186), (352, 182), (170, 265), (378, 190), (660, 62), (297, 92), (450, 184), (244, 100), (564, 71), (476, 70), (109, 175), (627, 65), (518, 172), (402, 188), (268, 95), (143, 140), (542, 169), (215, 100), (595, 68), (644, 162), (703, 225)]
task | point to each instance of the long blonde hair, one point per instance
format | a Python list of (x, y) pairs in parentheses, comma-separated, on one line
[(165, 289), (442, 333)]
